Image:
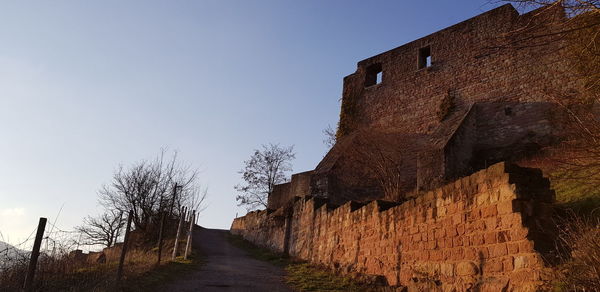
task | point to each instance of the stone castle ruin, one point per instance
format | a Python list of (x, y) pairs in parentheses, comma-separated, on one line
[(449, 116)]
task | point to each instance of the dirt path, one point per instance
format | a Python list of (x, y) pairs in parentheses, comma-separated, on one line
[(228, 268)]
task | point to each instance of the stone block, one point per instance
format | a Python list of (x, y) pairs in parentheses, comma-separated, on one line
[(491, 223), (447, 269), (505, 207), (479, 225), (525, 246), (482, 199), (512, 247), (457, 254), (492, 266), (507, 221), (457, 241), (439, 233), (482, 252), (466, 268), (451, 231), (508, 264), (432, 244), (494, 196), (430, 235), (477, 239), (441, 211), (446, 254), (470, 253), (457, 219), (518, 233), (503, 236), (460, 229), (497, 250), (451, 208), (489, 211), (527, 261), (490, 237), (508, 192), (435, 255), (519, 276)]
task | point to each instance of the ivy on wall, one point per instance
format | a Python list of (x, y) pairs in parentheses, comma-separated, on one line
[(347, 117), (447, 105), (349, 114)]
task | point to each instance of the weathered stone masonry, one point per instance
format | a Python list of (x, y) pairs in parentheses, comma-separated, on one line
[(500, 84), (480, 231), (446, 105)]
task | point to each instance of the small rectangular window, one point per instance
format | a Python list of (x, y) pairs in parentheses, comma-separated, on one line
[(424, 57), (374, 75)]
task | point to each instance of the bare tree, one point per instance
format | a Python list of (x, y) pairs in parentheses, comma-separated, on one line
[(384, 162), (580, 34), (578, 251), (265, 168), (330, 136), (149, 187), (572, 7), (104, 229), (578, 159), (196, 199)]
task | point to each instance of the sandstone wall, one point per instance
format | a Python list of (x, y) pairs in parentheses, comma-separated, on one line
[(480, 232), (280, 195), (298, 186), (261, 228), (486, 58)]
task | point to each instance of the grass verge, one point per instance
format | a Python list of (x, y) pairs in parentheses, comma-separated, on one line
[(64, 273), (300, 275), (577, 190), (153, 279)]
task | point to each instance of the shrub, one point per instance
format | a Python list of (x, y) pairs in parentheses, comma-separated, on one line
[(579, 249)]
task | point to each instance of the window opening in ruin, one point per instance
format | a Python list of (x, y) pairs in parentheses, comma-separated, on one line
[(374, 75), (424, 57)]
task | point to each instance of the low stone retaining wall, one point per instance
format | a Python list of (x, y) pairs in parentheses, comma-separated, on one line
[(483, 231)]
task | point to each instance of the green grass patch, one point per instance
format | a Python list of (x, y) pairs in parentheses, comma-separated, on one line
[(577, 190), (300, 275), (153, 279), (307, 277), (259, 253)]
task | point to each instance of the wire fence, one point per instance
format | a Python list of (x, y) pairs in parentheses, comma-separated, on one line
[(63, 259)]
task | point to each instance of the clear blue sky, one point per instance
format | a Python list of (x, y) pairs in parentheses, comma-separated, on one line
[(87, 85)]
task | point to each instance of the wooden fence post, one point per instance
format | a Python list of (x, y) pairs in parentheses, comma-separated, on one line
[(35, 253), (188, 245), (124, 249), (160, 236), (175, 187), (177, 236)]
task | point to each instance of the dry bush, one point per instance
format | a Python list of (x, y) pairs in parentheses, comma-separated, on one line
[(59, 270), (579, 250), (382, 157), (65, 273)]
